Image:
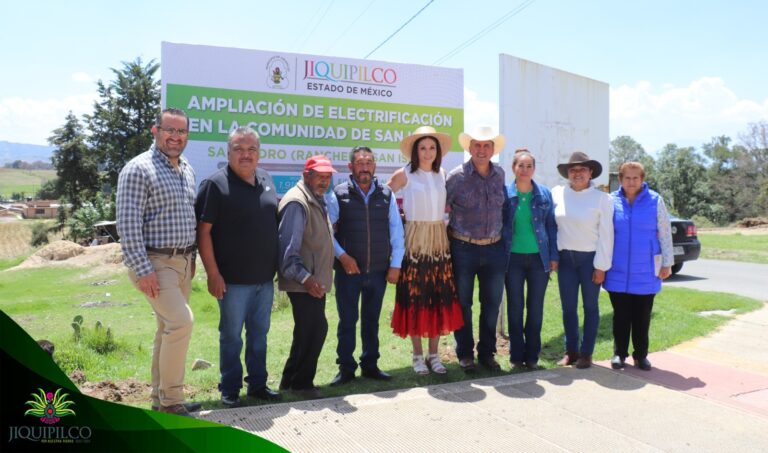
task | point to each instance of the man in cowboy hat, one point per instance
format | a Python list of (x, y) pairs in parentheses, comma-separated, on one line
[(305, 262), (476, 197)]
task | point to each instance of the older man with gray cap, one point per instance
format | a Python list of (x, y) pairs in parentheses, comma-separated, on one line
[(476, 197)]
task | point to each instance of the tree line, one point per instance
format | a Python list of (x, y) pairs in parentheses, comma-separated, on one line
[(723, 182)]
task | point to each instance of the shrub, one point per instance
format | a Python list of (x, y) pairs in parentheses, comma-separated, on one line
[(702, 222), (98, 339), (82, 220), (39, 234)]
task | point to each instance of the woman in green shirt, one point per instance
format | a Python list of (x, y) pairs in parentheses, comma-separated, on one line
[(530, 233)]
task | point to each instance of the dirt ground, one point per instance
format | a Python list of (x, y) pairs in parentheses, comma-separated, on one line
[(128, 391), (67, 253)]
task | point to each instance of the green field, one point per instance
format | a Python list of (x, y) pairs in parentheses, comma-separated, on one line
[(748, 247), (13, 180)]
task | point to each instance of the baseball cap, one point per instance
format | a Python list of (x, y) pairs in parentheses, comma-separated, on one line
[(320, 164)]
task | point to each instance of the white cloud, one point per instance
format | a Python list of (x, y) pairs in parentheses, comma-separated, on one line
[(478, 112), (83, 77), (687, 116), (24, 120)]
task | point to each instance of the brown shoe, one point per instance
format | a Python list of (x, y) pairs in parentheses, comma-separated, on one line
[(584, 361), (489, 363), (468, 365), (176, 409), (533, 366), (190, 407), (569, 358)]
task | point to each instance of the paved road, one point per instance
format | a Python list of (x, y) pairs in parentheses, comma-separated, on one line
[(745, 279)]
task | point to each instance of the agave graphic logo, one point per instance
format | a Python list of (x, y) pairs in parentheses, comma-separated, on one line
[(50, 407)]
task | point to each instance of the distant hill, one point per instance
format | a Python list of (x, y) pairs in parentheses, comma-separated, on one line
[(10, 152)]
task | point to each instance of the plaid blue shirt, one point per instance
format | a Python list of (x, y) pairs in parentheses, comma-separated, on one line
[(155, 207), (476, 201)]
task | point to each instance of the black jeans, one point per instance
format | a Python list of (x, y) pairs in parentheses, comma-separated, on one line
[(631, 314), (309, 331)]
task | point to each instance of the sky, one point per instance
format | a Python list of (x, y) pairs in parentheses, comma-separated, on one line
[(679, 71)]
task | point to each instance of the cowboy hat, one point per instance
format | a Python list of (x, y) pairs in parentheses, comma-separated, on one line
[(481, 134), (579, 158), (425, 131)]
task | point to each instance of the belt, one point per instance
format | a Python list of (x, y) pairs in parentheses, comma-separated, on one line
[(172, 251), (484, 241)]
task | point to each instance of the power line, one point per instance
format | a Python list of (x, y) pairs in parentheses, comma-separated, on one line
[(401, 27), (349, 27), (513, 12), (319, 20)]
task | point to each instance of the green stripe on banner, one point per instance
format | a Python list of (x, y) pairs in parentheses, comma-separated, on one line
[(96, 425), (307, 120)]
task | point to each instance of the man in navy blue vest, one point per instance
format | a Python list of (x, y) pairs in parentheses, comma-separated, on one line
[(369, 247)]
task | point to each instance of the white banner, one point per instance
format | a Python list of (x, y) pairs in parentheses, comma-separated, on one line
[(303, 105), (552, 113)]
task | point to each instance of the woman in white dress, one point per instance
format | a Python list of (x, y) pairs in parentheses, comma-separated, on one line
[(426, 303)]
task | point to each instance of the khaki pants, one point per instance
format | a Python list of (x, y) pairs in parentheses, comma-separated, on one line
[(174, 326)]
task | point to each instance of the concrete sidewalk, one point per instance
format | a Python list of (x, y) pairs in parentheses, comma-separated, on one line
[(706, 395), (686, 403), (552, 410)]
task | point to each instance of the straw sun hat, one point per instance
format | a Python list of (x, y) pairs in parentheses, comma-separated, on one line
[(425, 131)]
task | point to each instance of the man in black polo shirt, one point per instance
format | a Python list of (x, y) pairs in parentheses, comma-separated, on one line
[(237, 238)]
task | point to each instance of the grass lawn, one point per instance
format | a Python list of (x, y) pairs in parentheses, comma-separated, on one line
[(44, 302), (752, 248), (15, 180)]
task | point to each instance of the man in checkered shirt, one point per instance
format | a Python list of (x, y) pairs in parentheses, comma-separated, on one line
[(156, 222)]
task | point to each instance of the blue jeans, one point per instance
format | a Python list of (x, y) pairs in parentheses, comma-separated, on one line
[(574, 271), (349, 288), (487, 263), (249, 306), (525, 342)]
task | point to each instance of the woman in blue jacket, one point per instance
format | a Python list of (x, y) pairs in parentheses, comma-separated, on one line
[(642, 258), (530, 235)]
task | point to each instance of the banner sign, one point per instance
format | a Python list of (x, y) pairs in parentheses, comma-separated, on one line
[(304, 105)]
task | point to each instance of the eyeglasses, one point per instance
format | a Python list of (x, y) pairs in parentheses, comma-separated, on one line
[(173, 131)]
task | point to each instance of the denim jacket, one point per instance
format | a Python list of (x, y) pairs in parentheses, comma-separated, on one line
[(543, 214)]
